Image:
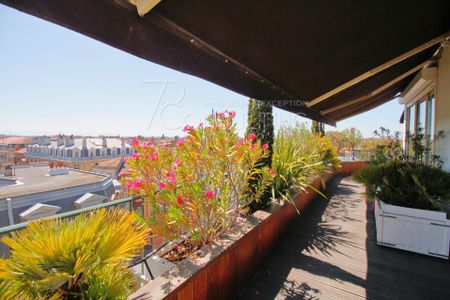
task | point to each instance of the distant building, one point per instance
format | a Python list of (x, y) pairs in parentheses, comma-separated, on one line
[(33, 193), (12, 150), (15, 142), (109, 167), (68, 148), (78, 153)]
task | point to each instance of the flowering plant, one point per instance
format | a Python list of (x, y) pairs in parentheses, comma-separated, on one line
[(196, 189)]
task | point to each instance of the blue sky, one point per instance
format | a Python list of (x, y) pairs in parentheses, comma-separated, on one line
[(53, 80)]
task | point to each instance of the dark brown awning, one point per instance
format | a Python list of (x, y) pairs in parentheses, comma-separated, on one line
[(269, 50)]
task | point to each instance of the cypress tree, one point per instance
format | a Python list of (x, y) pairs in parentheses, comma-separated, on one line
[(260, 122)]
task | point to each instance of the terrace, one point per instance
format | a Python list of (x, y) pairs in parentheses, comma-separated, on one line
[(329, 250)]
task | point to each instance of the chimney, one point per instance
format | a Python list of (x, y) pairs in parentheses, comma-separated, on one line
[(60, 140), (104, 145), (45, 140), (84, 144), (68, 141)]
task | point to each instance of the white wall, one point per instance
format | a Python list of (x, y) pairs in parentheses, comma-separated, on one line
[(443, 107)]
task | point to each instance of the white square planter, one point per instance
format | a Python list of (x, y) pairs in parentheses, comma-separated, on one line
[(416, 230)]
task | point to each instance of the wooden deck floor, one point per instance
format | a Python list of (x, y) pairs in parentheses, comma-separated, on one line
[(331, 253)]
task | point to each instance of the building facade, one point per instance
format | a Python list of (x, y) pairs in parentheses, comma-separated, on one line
[(79, 153), (427, 106)]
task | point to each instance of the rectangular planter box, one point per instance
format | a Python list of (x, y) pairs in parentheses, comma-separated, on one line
[(417, 230)]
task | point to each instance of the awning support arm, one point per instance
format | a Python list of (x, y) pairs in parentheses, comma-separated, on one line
[(378, 69), (378, 90)]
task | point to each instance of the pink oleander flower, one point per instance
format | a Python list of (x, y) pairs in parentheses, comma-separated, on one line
[(252, 136), (200, 125), (177, 162), (219, 114), (232, 114), (135, 155), (265, 147), (209, 194), (241, 142), (154, 156), (125, 159), (133, 185), (146, 146), (217, 127), (170, 175), (180, 142), (188, 128), (180, 199), (162, 185), (134, 142)]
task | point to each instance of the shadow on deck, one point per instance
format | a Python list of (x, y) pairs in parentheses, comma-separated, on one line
[(331, 253)]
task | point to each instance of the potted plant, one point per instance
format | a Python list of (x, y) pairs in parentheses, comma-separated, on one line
[(412, 201), (82, 258)]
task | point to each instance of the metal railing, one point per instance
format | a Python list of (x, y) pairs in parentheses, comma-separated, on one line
[(72, 213), (139, 260)]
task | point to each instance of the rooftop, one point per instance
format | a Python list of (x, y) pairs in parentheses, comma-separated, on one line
[(35, 179), (109, 164), (15, 140), (91, 143)]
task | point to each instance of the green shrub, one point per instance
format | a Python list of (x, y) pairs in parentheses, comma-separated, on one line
[(407, 184)]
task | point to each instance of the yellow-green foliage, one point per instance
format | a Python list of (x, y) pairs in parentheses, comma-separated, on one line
[(81, 258)]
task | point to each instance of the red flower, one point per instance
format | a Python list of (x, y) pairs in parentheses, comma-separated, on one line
[(209, 194), (188, 128), (232, 114), (180, 199), (162, 185), (272, 172), (265, 147), (180, 142), (252, 136)]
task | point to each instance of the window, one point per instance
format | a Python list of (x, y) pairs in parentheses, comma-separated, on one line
[(429, 129), (410, 126), (420, 116)]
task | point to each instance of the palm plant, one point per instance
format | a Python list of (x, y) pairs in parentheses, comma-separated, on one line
[(81, 258)]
